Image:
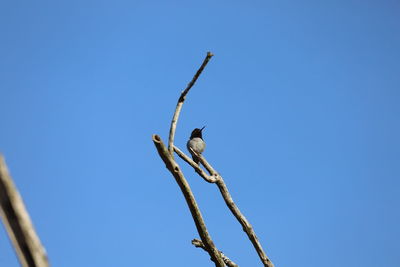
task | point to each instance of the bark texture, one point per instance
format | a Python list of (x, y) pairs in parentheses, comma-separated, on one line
[(18, 224)]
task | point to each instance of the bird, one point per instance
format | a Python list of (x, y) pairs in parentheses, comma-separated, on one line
[(196, 143)]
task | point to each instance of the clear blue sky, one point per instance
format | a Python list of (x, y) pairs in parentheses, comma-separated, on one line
[(301, 103)]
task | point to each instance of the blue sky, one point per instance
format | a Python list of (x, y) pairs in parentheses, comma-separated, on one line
[(301, 103)]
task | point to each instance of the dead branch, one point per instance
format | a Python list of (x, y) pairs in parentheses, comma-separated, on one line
[(247, 228), (244, 222), (198, 244), (167, 156), (173, 167), (180, 103), (18, 224)]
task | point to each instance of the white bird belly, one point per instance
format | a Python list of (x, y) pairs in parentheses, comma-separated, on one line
[(197, 144)]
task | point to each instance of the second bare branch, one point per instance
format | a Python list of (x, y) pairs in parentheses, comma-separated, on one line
[(180, 103)]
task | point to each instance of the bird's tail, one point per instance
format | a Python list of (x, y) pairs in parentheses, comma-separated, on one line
[(196, 159)]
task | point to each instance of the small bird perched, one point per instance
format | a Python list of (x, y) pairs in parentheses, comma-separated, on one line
[(196, 143)]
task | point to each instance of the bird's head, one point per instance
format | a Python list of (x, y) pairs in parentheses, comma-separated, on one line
[(197, 133)]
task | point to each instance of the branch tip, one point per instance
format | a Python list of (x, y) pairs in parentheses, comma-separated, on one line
[(156, 138), (181, 100)]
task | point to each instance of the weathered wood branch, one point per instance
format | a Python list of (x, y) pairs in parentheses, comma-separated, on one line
[(196, 167), (175, 170), (199, 244), (247, 227), (18, 224), (180, 103)]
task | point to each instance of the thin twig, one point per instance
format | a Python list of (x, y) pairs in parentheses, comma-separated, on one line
[(180, 103), (198, 244), (196, 167), (18, 224), (175, 170)]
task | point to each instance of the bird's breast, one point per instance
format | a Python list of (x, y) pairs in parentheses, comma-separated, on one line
[(197, 144)]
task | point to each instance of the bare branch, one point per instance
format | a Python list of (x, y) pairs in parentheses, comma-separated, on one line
[(180, 103), (247, 228), (175, 170), (198, 244), (196, 167), (18, 224), (243, 221)]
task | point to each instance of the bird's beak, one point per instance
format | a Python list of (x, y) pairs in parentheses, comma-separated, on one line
[(202, 128)]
